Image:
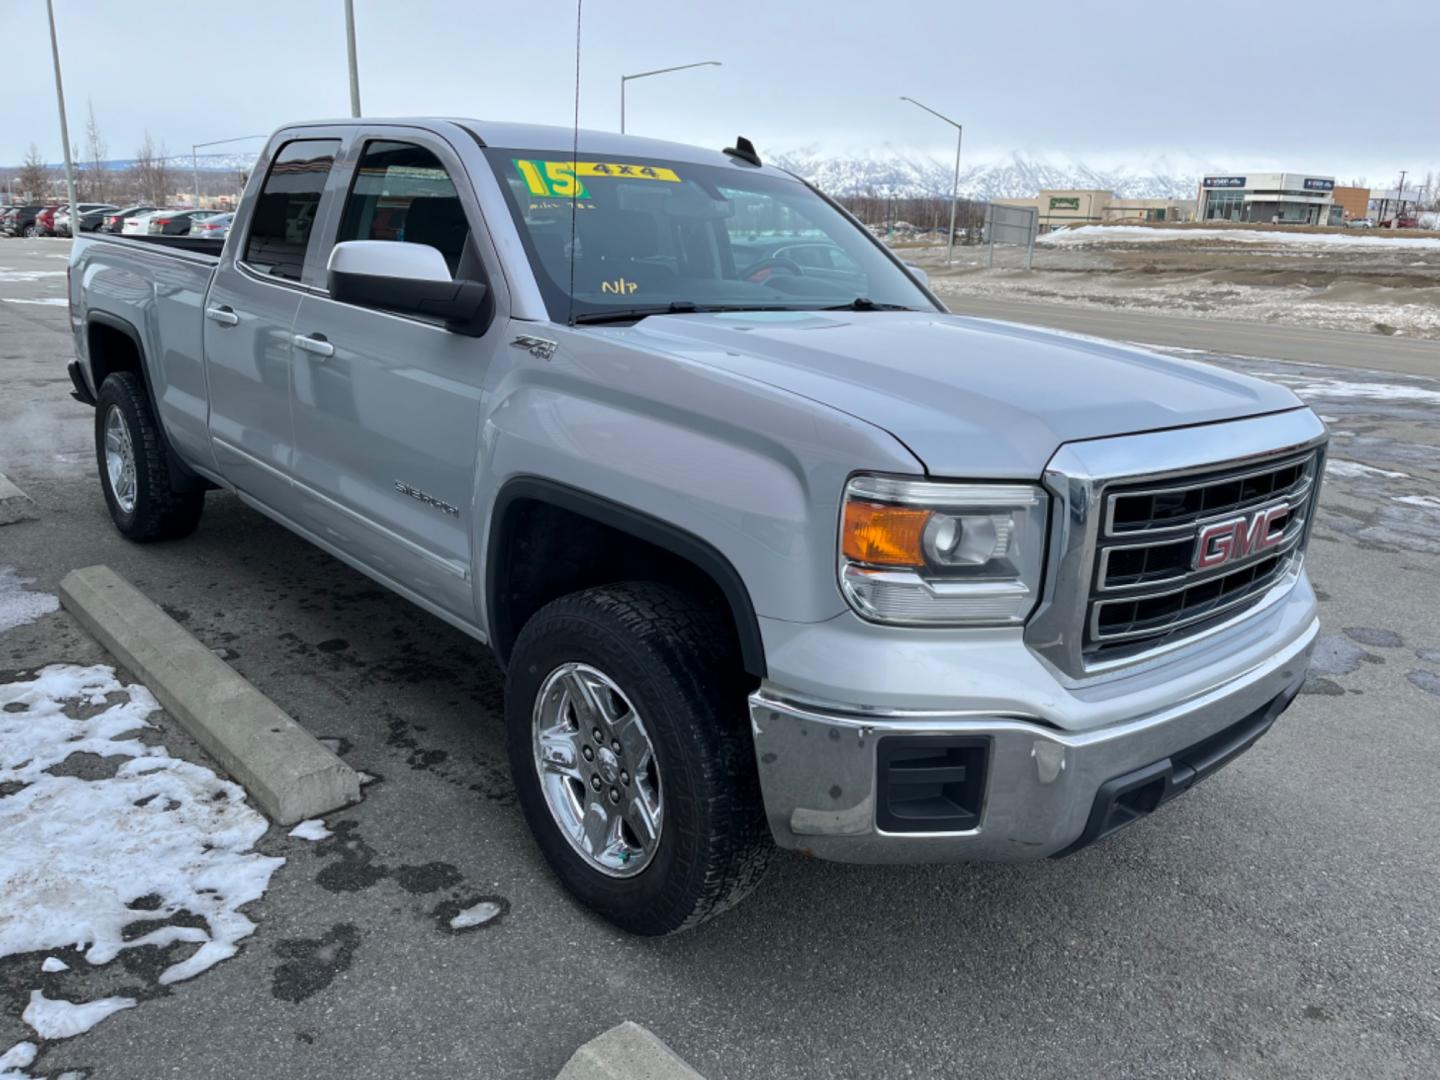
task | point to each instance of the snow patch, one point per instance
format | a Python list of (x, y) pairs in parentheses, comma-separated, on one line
[(52, 302), (476, 915), (56, 1018), (9, 274), (83, 852), (16, 1060), (53, 964), (1341, 467), (1090, 235), (314, 829), (1308, 386), (1426, 502), (18, 605)]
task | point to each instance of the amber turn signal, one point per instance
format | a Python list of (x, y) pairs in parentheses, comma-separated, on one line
[(884, 535)]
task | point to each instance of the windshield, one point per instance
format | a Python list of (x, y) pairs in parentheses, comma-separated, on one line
[(670, 235)]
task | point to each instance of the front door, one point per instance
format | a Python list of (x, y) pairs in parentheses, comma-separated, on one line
[(249, 314), (387, 407)]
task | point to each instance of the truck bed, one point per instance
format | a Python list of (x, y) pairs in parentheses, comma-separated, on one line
[(193, 244)]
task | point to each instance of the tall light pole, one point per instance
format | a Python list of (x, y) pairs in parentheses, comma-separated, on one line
[(955, 189), (195, 159), (64, 126), (350, 53), (658, 71)]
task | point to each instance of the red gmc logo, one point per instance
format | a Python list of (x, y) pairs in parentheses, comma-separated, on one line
[(1226, 541)]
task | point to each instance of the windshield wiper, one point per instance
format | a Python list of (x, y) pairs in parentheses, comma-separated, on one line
[(864, 303), (675, 307)]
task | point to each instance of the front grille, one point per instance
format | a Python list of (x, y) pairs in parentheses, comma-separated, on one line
[(1174, 556)]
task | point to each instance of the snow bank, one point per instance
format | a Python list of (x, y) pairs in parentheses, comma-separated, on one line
[(19, 606), (1091, 235), (80, 860)]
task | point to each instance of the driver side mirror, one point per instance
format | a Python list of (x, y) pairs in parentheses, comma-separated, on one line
[(918, 274), (393, 275)]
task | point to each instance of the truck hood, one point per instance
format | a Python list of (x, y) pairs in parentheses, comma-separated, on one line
[(969, 397)]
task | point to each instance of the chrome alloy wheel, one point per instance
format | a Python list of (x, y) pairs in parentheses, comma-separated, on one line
[(120, 459), (597, 769)]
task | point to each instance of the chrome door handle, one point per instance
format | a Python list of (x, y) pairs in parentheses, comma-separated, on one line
[(222, 315), (314, 343)]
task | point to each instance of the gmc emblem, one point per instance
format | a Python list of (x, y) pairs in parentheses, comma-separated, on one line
[(1226, 541)]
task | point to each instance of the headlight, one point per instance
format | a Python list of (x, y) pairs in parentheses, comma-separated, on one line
[(923, 552)]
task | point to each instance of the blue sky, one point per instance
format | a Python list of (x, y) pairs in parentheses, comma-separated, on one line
[(1323, 86)]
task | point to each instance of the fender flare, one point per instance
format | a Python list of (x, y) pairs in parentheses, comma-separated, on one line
[(702, 554)]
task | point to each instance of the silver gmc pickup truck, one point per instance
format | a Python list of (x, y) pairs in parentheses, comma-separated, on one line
[(772, 549)]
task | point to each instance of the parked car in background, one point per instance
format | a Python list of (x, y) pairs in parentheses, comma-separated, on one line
[(138, 224), (114, 221), (1361, 223), (214, 227), (90, 215), (44, 224), (173, 222), (10, 218)]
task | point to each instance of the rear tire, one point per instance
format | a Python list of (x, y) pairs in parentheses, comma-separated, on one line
[(134, 466), (673, 663)]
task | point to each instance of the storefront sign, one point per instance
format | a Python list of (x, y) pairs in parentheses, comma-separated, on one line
[(1224, 182), (1064, 204), (1315, 184)]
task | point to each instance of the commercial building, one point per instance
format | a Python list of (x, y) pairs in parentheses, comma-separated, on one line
[(1095, 206), (1287, 198), (1354, 202)]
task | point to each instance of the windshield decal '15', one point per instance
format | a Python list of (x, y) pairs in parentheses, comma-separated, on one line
[(561, 179)]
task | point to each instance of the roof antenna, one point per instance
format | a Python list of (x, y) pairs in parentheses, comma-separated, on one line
[(575, 165), (743, 149)]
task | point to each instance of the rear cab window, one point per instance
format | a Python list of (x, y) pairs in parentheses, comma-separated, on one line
[(285, 211)]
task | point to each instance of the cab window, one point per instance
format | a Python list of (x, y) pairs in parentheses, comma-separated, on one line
[(285, 211), (402, 192)]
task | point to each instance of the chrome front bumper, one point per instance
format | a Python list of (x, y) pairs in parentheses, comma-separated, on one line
[(818, 765)]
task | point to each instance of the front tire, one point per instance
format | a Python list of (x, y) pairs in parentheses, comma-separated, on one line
[(134, 470), (626, 722)]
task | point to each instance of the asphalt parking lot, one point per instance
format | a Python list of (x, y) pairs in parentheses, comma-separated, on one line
[(1278, 921)]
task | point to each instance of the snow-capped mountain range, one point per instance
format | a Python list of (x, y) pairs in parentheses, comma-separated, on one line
[(908, 173)]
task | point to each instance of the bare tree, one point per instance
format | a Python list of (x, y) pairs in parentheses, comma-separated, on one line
[(152, 172), (95, 154), (34, 179)]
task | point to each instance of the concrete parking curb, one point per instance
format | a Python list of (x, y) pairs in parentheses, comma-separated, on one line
[(626, 1052), (15, 505), (280, 764)]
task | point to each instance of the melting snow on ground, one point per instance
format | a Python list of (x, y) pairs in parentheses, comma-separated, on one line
[(51, 302), (1308, 386), (1087, 235), (80, 860), (1341, 467), (9, 274), (17, 604), (314, 829), (478, 915)]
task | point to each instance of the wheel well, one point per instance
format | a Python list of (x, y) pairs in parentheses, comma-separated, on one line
[(110, 350), (548, 540), (112, 346)]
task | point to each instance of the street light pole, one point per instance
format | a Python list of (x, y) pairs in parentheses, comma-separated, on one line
[(195, 158), (350, 52), (64, 126), (955, 187), (658, 71)]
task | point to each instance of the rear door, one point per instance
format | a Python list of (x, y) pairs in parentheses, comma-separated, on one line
[(387, 406), (249, 315)]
